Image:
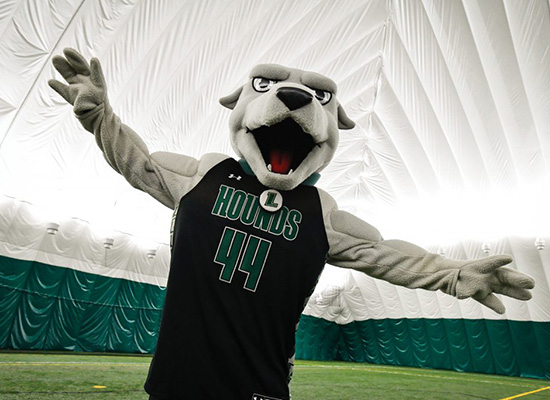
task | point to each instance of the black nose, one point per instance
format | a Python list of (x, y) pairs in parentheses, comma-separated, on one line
[(294, 98)]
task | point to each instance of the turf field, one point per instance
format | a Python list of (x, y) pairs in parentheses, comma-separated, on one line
[(78, 376)]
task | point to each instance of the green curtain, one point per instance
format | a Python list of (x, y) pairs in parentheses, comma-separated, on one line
[(45, 307), (515, 348), (51, 308)]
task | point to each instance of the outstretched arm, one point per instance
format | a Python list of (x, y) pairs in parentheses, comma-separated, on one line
[(165, 176), (356, 244)]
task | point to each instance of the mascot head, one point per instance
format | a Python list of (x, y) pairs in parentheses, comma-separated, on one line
[(285, 124)]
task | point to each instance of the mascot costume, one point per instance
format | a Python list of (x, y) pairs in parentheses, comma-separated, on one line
[(251, 237)]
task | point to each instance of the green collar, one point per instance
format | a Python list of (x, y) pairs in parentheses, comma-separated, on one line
[(311, 181)]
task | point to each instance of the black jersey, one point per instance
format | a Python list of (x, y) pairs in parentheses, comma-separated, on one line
[(239, 276)]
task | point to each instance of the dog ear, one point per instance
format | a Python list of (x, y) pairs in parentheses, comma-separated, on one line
[(343, 120), (230, 101)]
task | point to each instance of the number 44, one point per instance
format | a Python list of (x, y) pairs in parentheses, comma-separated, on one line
[(254, 252)]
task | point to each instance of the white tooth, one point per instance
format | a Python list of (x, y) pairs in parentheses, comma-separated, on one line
[(291, 171), (269, 167)]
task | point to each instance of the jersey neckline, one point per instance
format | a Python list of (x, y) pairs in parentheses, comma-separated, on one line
[(311, 181)]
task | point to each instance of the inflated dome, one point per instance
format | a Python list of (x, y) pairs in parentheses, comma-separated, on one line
[(451, 151)]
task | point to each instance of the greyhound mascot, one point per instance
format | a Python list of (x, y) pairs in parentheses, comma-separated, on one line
[(251, 237)]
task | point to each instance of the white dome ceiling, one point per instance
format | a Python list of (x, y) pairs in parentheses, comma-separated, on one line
[(451, 101)]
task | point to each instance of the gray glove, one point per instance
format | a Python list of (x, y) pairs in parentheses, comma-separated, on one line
[(86, 87), (482, 278)]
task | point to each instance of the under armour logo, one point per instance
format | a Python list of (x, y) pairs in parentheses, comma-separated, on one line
[(237, 177)]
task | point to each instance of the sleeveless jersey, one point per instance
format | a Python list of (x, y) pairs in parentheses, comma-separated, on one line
[(239, 277)]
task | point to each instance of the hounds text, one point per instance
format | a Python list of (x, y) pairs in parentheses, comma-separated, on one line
[(238, 205)]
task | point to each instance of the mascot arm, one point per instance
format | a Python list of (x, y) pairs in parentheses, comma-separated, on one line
[(356, 244), (165, 176)]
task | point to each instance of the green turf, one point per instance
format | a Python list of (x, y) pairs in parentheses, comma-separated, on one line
[(347, 381), (74, 375)]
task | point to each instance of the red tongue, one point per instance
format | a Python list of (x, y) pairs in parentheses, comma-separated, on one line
[(280, 161)]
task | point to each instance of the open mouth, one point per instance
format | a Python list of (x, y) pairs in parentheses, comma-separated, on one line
[(283, 146)]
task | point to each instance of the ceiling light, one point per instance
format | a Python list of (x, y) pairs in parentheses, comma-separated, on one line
[(52, 228), (151, 253)]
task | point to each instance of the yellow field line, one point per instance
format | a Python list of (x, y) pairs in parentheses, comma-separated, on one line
[(526, 393)]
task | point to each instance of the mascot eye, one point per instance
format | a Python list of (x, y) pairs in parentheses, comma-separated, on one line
[(323, 96), (262, 84)]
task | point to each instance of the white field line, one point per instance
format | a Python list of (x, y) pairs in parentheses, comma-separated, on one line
[(13, 363), (498, 380)]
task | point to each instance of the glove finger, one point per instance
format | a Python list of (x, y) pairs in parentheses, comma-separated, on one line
[(491, 264), (97, 76), (78, 62), (511, 277), (64, 68), (515, 292), (493, 303), (62, 89)]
